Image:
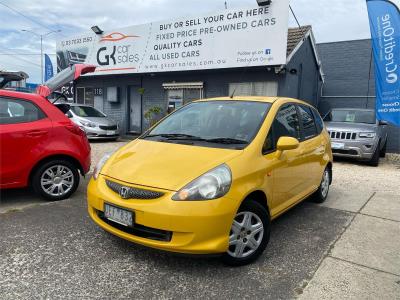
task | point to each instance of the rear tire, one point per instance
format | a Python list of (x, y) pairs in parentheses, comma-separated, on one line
[(249, 234), (323, 190), (56, 180)]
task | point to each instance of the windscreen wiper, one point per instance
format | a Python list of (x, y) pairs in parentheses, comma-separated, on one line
[(176, 136), (226, 141)]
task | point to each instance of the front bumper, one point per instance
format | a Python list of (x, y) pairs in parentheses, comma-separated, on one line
[(193, 227), (361, 149), (93, 133)]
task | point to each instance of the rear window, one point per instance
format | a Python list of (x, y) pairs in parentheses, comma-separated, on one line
[(13, 111), (307, 121), (318, 121)]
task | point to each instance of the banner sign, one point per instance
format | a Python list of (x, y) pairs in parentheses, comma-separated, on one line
[(384, 17), (48, 68), (228, 39)]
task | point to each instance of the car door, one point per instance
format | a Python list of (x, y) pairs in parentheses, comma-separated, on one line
[(312, 148), (287, 170), (24, 129)]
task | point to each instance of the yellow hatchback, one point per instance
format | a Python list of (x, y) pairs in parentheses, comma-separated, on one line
[(211, 176)]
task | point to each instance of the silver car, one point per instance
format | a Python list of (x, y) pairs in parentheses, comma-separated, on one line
[(357, 134), (95, 123)]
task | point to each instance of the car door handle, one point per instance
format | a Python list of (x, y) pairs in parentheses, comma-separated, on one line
[(36, 133)]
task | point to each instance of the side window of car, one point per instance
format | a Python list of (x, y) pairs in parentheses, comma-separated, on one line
[(318, 121), (286, 123), (307, 121), (14, 111)]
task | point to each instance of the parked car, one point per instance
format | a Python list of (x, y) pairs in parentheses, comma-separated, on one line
[(9, 76), (212, 175), (94, 122), (357, 134), (40, 146)]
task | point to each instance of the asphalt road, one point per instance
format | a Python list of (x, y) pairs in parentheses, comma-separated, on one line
[(53, 250)]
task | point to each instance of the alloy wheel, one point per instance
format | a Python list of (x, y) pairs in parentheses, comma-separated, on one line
[(57, 180), (246, 234), (325, 184)]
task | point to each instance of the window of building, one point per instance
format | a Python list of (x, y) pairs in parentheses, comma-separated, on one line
[(13, 111), (286, 123), (307, 120), (85, 95), (265, 88), (181, 93)]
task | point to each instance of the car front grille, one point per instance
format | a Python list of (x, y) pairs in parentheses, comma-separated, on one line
[(111, 127), (342, 151), (131, 192), (139, 230), (342, 135)]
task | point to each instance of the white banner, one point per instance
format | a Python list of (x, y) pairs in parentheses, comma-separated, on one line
[(228, 39)]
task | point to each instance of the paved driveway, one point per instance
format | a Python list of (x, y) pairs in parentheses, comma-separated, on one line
[(53, 250)]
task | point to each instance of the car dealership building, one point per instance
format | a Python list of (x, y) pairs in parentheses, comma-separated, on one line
[(249, 51)]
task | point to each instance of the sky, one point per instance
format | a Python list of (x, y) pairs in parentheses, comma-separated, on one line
[(331, 21)]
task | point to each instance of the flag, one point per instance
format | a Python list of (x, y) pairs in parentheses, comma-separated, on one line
[(384, 21), (48, 68)]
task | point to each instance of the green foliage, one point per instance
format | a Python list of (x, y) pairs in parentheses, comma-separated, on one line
[(151, 114)]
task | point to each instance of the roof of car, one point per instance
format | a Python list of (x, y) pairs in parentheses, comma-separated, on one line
[(22, 95), (79, 104), (253, 98)]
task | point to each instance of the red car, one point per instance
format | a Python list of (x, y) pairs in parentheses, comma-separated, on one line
[(39, 145)]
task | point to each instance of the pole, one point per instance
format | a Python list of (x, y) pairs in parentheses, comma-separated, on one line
[(41, 56)]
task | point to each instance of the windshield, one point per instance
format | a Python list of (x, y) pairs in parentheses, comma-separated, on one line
[(351, 116), (218, 122), (86, 111)]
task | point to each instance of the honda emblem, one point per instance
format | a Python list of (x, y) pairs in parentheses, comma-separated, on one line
[(124, 192)]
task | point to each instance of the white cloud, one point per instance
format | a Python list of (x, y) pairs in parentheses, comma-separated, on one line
[(331, 21)]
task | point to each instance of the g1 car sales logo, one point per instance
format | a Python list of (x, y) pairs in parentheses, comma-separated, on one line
[(116, 54)]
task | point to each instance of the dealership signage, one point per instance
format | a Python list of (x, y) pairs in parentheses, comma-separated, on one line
[(384, 16), (228, 39)]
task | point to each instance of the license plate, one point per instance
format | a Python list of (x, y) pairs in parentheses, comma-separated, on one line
[(337, 145), (110, 132), (118, 215)]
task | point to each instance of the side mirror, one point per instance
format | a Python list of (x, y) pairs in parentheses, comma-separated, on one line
[(287, 143), (383, 123)]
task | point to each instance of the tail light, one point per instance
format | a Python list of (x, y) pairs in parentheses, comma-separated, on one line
[(75, 129)]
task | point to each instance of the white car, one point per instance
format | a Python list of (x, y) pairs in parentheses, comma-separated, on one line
[(95, 123)]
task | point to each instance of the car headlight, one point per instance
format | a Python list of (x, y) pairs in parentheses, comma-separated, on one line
[(100, 164), (211, 185), (88, 124), (367, 135)]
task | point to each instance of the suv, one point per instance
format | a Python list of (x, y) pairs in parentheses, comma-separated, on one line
[(357, 134), (40, 146)]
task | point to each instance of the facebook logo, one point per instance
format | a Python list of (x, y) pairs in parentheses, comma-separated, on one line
[(267, 51)]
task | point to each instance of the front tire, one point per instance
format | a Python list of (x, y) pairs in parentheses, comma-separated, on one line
[(249, 234), (323, 190), (383, 151), (56, 180), (375, 157)]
